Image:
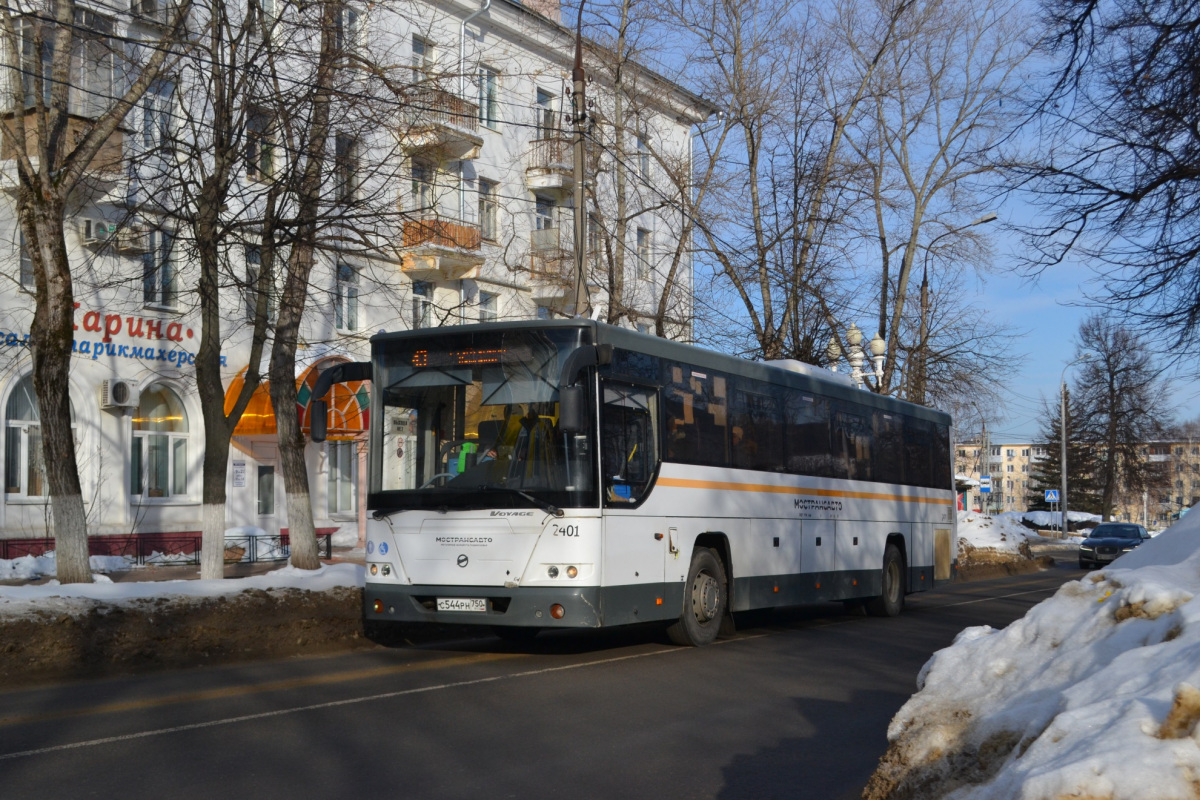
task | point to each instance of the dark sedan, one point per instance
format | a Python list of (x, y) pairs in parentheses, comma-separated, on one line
[(1109, 540)]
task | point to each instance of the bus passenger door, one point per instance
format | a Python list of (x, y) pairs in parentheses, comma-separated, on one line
[(635, 545)]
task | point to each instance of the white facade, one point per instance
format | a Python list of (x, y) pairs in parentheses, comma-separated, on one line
[(486, 235)]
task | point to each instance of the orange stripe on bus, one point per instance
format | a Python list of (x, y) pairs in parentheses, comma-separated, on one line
[(686, 483)]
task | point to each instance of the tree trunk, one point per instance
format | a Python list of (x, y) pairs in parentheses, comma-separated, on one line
[(52, 333), (301, 529)]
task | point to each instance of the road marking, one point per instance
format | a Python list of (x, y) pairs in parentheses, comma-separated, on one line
[(998, 597), (257, 688), (339, 703)]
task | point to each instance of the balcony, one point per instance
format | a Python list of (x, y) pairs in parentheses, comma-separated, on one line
[(437, 247), (551, 265), (105, 171), (550, 165), (441, 125)]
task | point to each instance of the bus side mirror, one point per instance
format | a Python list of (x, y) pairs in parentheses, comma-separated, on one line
[(570, 409), (316, 426)]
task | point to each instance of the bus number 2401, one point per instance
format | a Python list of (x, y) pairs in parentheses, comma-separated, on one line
[(566, 530)]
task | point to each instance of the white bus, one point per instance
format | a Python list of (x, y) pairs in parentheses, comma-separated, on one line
[(569, 474)]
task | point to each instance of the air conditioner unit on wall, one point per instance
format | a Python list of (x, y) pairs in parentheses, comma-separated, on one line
[(96, 232), (117, 393)]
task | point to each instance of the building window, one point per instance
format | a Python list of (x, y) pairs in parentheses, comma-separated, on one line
[(266, 490), (422, 58), (28, 281), (260, 147), (595, 239), (543, 313), (645, 252), (487, 307), (546, 117), (345, 35), (489, 106), (253, 272), (545, 215), (158, 464), (24, 469), (159, 284), (156, 114), (36, 63), (346, 301), (342, 463), (422, 304), (643, 157), (422, 186), (345, 165), (489, 211)]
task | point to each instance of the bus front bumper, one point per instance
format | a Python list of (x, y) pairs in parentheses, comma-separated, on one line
[(532, 607)]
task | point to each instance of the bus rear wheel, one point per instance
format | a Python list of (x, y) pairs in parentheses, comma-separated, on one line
[(891, 601), (705, 600)]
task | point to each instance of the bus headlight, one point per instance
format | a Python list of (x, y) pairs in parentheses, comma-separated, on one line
[(571, 572), (374, 569), (552, 572)]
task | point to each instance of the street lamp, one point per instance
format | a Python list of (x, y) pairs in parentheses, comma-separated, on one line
[(856, 355), (918, 392), (1062, 431)]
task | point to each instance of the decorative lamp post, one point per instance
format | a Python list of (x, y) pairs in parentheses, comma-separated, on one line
[(856, 355)]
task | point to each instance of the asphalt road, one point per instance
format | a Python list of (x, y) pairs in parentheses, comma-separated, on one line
[(796, 705)]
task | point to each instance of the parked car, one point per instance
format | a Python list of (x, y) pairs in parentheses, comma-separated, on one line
[(1107, 541)]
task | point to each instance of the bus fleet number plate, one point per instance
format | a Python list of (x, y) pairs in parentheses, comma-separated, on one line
[(461, 604)]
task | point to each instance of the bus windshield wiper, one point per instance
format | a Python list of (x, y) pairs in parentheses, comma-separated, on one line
[(549, 508)]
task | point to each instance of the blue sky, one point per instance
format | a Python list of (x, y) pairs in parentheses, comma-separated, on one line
[(1045, 315)]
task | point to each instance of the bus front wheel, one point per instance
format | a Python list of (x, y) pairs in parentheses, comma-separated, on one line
[(705, 597), (891, 601)]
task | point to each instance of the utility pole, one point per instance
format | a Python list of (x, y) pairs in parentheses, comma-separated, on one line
[(1062, 422), (579, 117)]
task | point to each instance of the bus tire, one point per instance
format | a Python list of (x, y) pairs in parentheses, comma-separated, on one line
[(705, 601), (890, 603)]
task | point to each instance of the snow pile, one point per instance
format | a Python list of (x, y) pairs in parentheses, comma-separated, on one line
[(74, 598), (1094, 693), (1000, 532), (1051, 520), (30, 567)]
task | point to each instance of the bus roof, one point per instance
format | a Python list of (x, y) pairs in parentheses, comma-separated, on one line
[(829, 385)]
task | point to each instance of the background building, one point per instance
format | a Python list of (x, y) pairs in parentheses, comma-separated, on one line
[(478, 171)]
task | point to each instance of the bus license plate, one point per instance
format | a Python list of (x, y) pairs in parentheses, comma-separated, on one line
[(461, 604)]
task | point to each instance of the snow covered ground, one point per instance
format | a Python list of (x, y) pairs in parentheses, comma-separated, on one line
[(1093, 694), (21, 601)]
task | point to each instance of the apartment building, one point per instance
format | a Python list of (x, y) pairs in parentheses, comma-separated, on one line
[(1007, 465), (1173, 485), (484, 176)]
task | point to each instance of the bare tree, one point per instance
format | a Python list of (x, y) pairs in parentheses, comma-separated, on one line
[(941, 101), (1123, 402), (72, 86), (1119, 128)]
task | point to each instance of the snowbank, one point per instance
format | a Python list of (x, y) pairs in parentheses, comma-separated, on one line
[(1094, 693), (1000, 532), (78, 597)]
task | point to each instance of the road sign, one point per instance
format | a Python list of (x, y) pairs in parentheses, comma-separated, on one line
[(1052, 495), (985, 484)]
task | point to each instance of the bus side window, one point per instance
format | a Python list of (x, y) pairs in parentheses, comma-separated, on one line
[(628, 441)]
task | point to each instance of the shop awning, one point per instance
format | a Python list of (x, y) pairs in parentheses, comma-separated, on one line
[(349, 404)]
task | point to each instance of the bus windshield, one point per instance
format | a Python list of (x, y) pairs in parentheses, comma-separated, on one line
[(470, 420)]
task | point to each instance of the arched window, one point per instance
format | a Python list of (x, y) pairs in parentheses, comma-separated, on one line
[(24, 470), (158, 466)]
